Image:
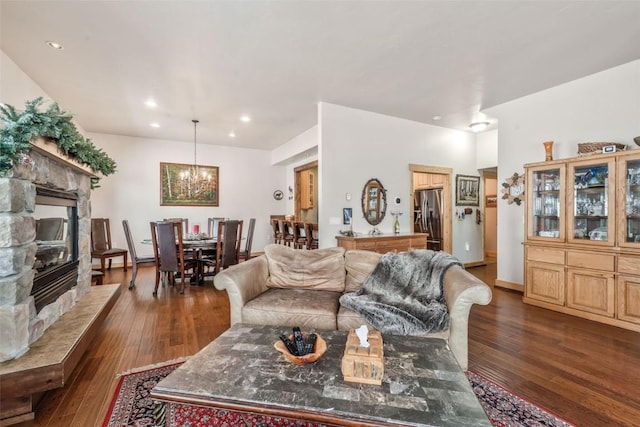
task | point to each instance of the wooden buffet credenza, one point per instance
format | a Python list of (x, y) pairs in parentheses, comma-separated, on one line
[(384, 243)]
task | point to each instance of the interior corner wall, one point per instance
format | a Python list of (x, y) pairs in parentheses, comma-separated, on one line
[(247, 182), (357, 145), (600, 107), (16, 87)]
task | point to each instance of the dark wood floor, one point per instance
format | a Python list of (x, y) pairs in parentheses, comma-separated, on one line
[(585, 372)]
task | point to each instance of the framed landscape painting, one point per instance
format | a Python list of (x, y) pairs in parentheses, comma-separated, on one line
[(188, 185), (467, 190)]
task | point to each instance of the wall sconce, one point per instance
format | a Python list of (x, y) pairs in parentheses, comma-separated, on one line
[(290, 193)]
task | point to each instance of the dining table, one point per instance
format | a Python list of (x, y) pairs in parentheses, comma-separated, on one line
[(196, 244)]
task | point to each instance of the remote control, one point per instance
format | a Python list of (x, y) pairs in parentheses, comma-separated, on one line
[(290, 345), (299, 342), (311, 342)]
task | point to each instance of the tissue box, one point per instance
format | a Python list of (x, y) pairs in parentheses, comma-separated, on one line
[(363, 364)]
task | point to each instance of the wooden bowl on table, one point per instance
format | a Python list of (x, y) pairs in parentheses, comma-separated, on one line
[(319, 349)]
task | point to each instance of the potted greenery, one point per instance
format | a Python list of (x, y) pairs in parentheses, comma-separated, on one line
[(21, 128)]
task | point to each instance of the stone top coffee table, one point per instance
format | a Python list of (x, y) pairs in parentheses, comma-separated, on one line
[(241, 370)]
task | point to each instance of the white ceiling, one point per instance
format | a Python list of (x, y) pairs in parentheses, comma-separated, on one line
[(275, 60)]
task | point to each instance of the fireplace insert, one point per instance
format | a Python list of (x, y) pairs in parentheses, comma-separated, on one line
[(56, 261)]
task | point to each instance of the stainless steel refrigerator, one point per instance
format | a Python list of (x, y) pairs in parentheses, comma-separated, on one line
[(429, 216)]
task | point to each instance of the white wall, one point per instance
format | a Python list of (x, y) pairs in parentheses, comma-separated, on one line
[(357, 145), (601, 107), (247, 182), (487, 149)]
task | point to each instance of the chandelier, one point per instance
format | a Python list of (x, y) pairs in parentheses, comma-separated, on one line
[(194, 181)]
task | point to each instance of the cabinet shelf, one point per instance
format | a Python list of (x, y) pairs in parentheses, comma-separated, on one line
[(592, 190), (590, 217)]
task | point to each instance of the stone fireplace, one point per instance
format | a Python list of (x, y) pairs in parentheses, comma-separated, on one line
[(49, 312), (42, 180)]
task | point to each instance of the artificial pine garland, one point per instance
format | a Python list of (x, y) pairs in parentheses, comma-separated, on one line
[(20, 128)]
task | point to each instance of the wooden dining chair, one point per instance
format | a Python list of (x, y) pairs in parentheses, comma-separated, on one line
[(277, 233), (168, 249), (228, 241), (212, 225), (287, 232), (183, 221), (48, 229), (311, 230), (299, 235), (101, 243), (245, 254), (135, 259)]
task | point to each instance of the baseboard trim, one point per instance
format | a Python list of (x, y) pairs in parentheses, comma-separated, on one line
[(474, 264), (509, 285)]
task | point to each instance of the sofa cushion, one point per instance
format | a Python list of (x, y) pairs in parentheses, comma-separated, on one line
[(349, 319), (308, 309), (320, 269), (359, 265)]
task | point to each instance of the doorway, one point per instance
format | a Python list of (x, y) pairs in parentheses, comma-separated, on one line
[(490, 241), (306, 192), (432, 184)]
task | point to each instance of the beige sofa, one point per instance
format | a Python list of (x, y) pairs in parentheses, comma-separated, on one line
[(291, 287)]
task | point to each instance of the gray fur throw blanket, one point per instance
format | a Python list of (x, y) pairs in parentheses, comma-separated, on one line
[(404, 293)]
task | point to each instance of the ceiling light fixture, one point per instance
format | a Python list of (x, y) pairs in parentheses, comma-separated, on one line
[(479, 126), (232, 134), (194, 182), (150, 103), (436, 118), (54, 45), (154, 125), (245, 119)]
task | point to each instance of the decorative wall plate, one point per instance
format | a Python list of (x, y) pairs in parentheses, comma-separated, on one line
[(278, 195), (513, 189)]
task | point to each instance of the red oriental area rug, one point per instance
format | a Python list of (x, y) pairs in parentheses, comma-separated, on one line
[(132, 406)]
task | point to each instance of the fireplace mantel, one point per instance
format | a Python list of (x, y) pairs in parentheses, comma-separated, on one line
[(47, 147)]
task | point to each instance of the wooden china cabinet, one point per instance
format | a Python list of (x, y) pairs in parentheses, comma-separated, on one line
[(582, 237)]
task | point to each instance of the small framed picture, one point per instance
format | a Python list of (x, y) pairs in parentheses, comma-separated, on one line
[(491, 201), (467, 189), (347, 214)]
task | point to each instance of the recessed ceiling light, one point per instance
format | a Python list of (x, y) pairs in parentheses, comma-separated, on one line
[(55, 45), (436, 118), (479, 126), (245, 119), (150, 103), (154, 125), (232, 134)]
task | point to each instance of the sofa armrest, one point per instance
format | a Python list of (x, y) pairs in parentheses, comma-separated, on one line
[(461, 290), (243, 282)]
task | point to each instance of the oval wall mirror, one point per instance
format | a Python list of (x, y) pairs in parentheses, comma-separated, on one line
[(374, 201)]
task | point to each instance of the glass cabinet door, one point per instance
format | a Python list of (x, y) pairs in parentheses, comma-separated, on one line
[(546, 202), (629, 203), (591, 204)]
